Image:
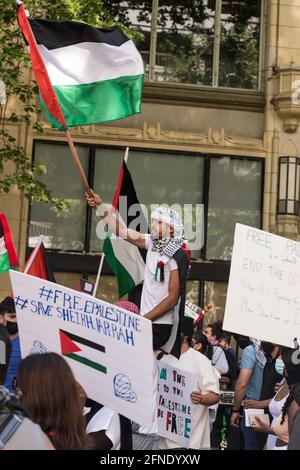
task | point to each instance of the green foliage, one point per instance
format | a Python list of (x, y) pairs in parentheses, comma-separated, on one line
[(15, 62)]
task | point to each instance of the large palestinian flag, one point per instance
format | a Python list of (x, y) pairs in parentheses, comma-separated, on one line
[(85, 75), (8, 256), (123, 258)]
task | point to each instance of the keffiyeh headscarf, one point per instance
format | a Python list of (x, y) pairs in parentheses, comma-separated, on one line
[(129, 306), (11, 414), (259, 353), (169, 246)]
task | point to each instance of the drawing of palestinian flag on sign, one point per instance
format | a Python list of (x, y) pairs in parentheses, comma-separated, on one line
[(8, 256), (70, 349)]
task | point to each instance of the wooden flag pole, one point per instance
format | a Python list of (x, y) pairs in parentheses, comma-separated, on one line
[(78, 163)]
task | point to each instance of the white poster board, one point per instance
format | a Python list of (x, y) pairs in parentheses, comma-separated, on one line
[(174, 404), (108, 348), (263, 298)]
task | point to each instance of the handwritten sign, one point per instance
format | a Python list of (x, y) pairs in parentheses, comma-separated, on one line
[(174, 405), (108, 348), (263, 298)]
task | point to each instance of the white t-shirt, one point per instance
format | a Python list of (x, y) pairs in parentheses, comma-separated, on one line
[(109, 421), (197, 363), (154, 291)]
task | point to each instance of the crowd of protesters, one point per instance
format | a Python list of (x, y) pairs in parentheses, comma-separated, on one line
[(246, 397), (43, 407)]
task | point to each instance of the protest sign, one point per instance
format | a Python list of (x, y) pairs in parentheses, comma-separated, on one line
[(263, 298), (174, 404), (108, 348)]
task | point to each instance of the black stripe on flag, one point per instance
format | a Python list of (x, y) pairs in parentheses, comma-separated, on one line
[(84, 341), (128, 190), (56, 34)]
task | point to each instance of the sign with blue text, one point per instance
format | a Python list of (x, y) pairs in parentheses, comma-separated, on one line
[(174, 404), (108, 348), (263, 298)]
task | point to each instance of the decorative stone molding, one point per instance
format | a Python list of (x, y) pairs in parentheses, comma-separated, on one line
[(289, 149), (288, 226), (215, 138), (286, 98)]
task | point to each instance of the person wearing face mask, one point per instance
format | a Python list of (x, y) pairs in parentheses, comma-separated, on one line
[(267, 355), (7, 307)]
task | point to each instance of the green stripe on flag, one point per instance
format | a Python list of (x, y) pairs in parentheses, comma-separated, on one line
[(87, 362), (93, 103), (4, 263), (125, 281)]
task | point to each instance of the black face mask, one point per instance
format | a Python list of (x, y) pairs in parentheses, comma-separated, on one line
[(12, 328), (267, 348)]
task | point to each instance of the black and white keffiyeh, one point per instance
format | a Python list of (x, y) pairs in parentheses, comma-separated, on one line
[(169, 246), (259, 353), (11, 414)]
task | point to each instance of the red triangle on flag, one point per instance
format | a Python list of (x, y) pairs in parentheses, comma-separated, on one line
[(67, 345)]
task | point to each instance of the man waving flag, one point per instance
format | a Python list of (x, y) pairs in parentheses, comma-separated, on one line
[(85, 75)]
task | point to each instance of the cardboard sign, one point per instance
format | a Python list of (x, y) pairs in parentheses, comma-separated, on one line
[(263, 298), (108, 348)]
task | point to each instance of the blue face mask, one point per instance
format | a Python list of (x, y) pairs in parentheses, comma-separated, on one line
[(279, 366)]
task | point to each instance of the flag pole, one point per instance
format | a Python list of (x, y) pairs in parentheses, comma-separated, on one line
[(103, 254), (33, 254), (47, 80), (98, 274), (126, 155), (78, 163)]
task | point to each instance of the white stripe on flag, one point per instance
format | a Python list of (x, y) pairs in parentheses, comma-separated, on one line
[(130, 258), (88, 62)]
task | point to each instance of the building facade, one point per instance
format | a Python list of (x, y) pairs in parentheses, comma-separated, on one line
[(218, 130)]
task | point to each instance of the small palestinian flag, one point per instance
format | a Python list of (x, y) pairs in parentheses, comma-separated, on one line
[(8, 256), (85, 75), (38, 264)]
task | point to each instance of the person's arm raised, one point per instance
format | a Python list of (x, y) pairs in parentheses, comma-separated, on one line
[(115, 222)]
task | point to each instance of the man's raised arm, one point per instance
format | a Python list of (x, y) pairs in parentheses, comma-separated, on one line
[(115, 222)]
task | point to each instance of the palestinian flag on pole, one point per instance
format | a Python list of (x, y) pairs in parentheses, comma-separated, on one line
[(8, 256), (124, 258), (85, 75)]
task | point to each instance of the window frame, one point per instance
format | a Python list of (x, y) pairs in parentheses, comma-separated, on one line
[(216, 50)]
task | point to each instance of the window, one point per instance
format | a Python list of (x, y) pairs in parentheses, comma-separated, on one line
[(289, 185), (231, 187), (239, 49), (201, 42), (64, 231), (185, 42), (235, 194)]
